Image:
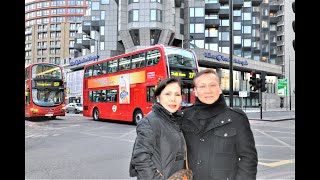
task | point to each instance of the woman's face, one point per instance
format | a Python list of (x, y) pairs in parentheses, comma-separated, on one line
[(170, 97)]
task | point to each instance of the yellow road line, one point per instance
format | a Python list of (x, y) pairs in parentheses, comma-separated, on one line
[(278, 163)]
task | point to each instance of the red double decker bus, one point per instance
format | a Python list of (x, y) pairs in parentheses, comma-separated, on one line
[(44, 90), (122, 87)]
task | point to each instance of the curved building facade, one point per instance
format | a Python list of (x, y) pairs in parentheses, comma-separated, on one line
[(50, 28)]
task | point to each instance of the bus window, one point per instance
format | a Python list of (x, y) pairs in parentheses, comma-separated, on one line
[(153, 57), (97, 96), (180, 58), (112, 95), (88, 72), (97, 69), (104, 68), (138, 60), (124, 63), (150, 93), (90, 96), (113, 66)]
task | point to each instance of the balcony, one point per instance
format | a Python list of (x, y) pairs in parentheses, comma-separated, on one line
[(86, 43), (274, 20), (237, 4), (86, 27), (223, 14), (256, 2), (273, 33), (212, 7), (77, 46), (212, 23), (95, 24), (274, 7), (224, 1)]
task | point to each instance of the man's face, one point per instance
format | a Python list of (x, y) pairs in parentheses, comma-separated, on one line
[(207, 88)]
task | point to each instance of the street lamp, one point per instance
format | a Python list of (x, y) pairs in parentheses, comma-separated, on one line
[(231, 52)]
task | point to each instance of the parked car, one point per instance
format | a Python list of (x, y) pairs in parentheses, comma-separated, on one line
[(74, 107)]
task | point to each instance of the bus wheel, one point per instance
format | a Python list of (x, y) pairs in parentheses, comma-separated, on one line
[(137, 116), (95, 114)]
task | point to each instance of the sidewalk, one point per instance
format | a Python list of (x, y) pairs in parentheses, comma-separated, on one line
[(270, 115)]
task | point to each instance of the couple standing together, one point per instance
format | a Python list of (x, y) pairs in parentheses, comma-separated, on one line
[(217, 139)]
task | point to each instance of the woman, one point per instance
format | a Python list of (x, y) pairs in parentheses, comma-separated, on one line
[(159, 149)]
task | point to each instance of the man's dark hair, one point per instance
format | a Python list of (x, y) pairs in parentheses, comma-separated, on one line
[(164, 83), (205, 71)]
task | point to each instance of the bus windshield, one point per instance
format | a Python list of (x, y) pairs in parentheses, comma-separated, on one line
[(179, 57), (46, 71), (47, 97)]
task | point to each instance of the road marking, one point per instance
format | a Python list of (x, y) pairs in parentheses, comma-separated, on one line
[(278, 163), (278, 140), (265, 145), (127, 133), (281, 132)]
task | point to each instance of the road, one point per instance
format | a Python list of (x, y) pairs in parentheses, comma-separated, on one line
[(76, 147)]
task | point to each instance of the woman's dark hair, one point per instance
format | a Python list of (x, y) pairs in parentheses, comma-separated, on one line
[(164, 83)]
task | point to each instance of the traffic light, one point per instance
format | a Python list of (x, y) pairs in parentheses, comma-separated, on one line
[(263, 82), (253, 81)]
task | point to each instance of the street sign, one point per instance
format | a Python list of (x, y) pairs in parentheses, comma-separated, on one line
[(243, 94), (283, 87)]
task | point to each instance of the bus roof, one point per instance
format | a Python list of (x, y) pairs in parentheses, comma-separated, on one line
[(42, 63), (130, 53)]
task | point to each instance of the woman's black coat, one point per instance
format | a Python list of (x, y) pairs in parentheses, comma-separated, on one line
[(159, 146), (220, 142)]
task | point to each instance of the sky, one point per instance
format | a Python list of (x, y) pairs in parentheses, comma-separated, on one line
[(26, 1)]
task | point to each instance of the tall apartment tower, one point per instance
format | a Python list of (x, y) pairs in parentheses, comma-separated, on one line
[(191, 23), (50, 27)]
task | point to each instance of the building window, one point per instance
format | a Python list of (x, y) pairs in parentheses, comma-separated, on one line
[(104, 1), (237, 26), (181, 28), (134, 33), (246, 42), (224, 36), (211, 32), (196, 28), (237, 13), (154, 36), (133, 1), (224, 22), (156, 15), (225, 50), (196, 12), (181, 13), (158, 1), (237, 39), (247, 4), (237, 52), (246, 29), (246, 16), (133, 15), (211, 46)]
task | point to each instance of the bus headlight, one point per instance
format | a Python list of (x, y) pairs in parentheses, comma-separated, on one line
[(33, 110)]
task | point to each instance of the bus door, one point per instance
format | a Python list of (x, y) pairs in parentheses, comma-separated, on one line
[(188, 97), (27, 102)]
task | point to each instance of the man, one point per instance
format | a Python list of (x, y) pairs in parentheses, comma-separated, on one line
[(219, 138)]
